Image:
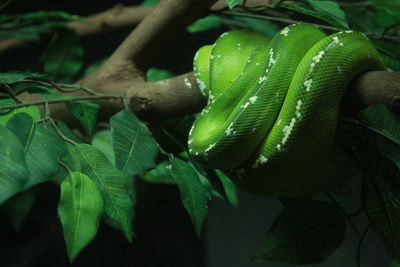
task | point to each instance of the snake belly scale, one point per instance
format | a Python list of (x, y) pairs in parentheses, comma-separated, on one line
[(273, 105)]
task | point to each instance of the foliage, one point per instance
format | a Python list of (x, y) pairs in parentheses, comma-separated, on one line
[(94, 169)]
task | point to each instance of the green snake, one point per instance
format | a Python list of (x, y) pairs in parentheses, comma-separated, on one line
[(273, 105)]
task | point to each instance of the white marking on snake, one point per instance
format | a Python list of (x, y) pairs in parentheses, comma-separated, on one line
[(271, 57), (254, 129), (261, 160), (245, 105), (339, 69), (239, 46), (211, 57), (262, 79), (287, 130), (285, 31), (308, 84), (257, 63), (229, 130), (298, 114), (336, 39), (278, 146), (279, 122), (190, 141), (318, 57), (224, 34), (299, 102), (191, 130), (253, 99), (218, 56), (168, 167), (210, 147), (341, 44)]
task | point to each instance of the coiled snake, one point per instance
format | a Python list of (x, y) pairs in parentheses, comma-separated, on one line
[(273, 105)]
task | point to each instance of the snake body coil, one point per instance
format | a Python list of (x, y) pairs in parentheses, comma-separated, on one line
[(273, 105)]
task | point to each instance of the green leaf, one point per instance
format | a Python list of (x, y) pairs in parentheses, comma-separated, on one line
[(230, 189), (13, 170), (154, 75), (392, 63), (16, 76), (205, 24), (383, 212), (150, 2), (327, 11), (17, 208), (42, 16), (34, 112), (112, 184), (389, 48), (134, 148), (67, 132), (41, 156), (23, 126), (31, 32), (102, 141), (85, 112), (232, 3), (64, 57), (330, 9), (305, 232), (160, 174), (387, 17), (362, 21), (379, 117), (194, 194), (80, 209), (263, 26)]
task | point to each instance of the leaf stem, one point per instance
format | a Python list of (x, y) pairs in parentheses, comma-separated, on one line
[(62, 100), (64, 166), (52, 123), (11, 92)]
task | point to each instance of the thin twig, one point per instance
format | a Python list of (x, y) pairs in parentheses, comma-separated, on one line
[(64, 166), (160, 148), (388, 29), (271, 18), (52, 123), (11, 92), (344, 213), (356, 213), (62, 100), (65, 88)]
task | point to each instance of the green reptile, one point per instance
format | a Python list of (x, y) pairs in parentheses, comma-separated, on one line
[(273, 105)]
